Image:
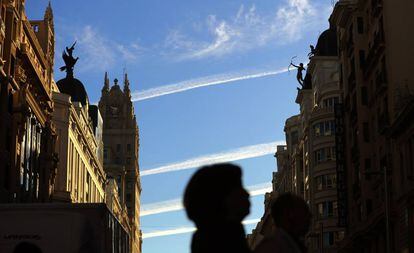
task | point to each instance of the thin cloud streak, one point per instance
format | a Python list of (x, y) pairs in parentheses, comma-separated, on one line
[(227, 156), (184, 230), (248, 29), (198, 83), (176, 204)]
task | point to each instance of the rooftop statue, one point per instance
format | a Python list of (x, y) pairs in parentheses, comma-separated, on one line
[(69, 60), (299, 75), (312, 52)]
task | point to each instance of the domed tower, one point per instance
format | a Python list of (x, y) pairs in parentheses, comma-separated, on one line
[(121, 141), (322, 189)]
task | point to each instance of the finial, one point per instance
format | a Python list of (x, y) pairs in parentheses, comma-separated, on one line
[(116, 81)]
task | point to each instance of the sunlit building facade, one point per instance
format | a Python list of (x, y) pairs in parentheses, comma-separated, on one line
[(80, 177), (27, 135), (121, 146)]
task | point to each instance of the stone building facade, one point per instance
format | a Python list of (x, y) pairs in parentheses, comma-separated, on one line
[(27, 134), (80, 177), (121, 147), (307, 164), (319, 145), (375, 54)]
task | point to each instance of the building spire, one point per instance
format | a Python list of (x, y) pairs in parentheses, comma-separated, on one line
[(106, 83), (127, 91), (49, 14)]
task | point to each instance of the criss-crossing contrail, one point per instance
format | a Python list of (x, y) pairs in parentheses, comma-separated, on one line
[(200, 82), (184, 230), (176, 204), (227, 156)]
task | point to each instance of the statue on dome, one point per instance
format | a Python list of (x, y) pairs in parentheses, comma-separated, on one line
[(312, 52), (69, 60)]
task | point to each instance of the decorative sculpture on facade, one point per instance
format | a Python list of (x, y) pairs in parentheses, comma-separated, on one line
[(312, 52), (69, 60), (300, 68), (305, 83)]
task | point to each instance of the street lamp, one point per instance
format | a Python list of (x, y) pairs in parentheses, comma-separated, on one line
[(384, 173)]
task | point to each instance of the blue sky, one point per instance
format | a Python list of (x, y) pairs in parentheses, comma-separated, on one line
[(190, 44)]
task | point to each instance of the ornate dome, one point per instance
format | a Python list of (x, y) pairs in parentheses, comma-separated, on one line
[(75, 89), (327, 44)]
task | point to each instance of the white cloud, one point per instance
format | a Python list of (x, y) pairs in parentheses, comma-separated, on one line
[(249, 29), (177, 204), (201, 82), (227, 156), (96, 51), (183, 230)]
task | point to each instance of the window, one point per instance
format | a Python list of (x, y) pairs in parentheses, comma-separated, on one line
[(328, 239), (326, 128), (105, 153), (325, 154), (128, 160), (361, 58), (339, 236), (327, 209), (330, 102), (128, 197), (128, 148), (118, 147), (326, 182), (36, 28)]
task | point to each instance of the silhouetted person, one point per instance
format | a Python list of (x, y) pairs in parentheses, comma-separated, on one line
[(217, 203), (291, 217), (27, 247)]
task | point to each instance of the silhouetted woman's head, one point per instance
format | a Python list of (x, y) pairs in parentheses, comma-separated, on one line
[(215, 194)]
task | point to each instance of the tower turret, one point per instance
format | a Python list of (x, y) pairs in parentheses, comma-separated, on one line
[(105, 88), (127, 91)]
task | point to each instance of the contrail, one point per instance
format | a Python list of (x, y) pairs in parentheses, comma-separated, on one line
[(200, 82), (227, 156), (184, 230), (176, 204)]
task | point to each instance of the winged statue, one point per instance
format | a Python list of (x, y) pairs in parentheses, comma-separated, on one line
[(69, 60)]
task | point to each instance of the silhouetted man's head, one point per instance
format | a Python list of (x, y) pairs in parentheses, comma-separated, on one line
[(291, 213), (215, 194), (27, 247)]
